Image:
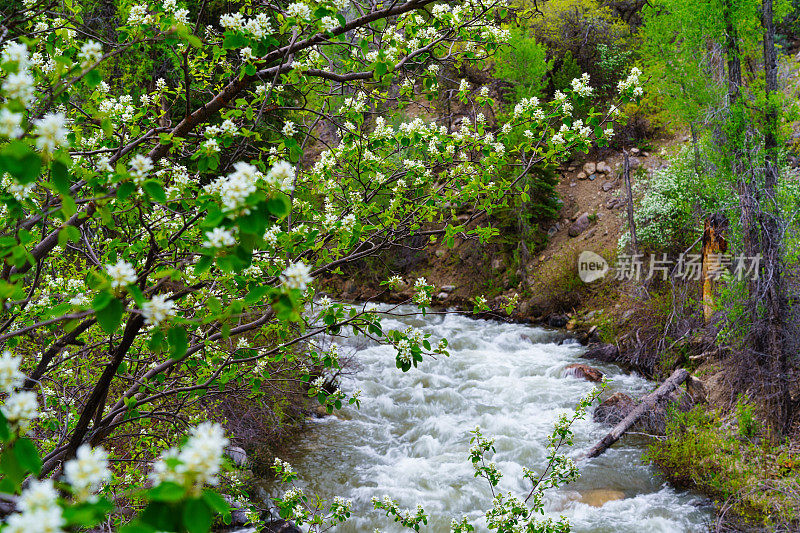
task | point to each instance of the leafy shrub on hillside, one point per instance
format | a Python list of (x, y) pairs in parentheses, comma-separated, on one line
[(667, 215), (579, 27), (524, 63)]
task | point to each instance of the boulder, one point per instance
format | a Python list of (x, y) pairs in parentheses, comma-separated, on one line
[(581, 371), (580, 225), (281, 526), (607, 353), (599, 497), (603, 168), (589, 168), (615, 408), (237, 456)]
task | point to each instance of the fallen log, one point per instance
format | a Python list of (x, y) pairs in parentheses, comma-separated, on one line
[(648, 402)]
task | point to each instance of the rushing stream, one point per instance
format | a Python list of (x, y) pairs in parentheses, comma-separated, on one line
[(410, 438)]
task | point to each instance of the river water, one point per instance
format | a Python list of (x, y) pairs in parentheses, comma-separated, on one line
[(410, 439)]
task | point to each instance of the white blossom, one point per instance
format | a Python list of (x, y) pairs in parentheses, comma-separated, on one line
[(88, 471), (20, 408), (298, 10), (91, 52), (122, 274), (51, 131), (297, 276), (158, 309), (10, 375), (219, 238)]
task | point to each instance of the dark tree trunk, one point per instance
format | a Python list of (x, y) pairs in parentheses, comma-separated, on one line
[(774, 346)]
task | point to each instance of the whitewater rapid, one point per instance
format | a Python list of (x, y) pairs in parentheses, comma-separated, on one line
[(410, 438)]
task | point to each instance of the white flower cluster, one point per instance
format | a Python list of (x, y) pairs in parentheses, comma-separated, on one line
[(20, 407), (298, 10), (281, 175), (88, 472), (139, 14), (158, 309), (18, 85), (121, 108), (140, 167), (237, 186), (197, 463), (219, 238), (51, 131), (259, 26), (297, 276), (39, 510), (581, 85), (632, 81), (121, 273)]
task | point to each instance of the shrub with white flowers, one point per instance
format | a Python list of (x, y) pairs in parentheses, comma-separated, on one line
[(149, 225)]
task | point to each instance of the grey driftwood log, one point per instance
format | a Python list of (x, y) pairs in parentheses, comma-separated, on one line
[(648, 402)]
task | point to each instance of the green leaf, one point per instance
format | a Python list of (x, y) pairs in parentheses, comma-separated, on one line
[(167, 492), (93, 78), (5, 434), (19, 160), (28, 455), (110, 316), (155, 190), (279, 205), (197, 516), (125, 190), (216, 502), (9, 464), (60, 177), (234, 40), (101, 300), (176, 336)]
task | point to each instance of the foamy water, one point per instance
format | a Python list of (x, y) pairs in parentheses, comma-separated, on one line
[(410, 439)]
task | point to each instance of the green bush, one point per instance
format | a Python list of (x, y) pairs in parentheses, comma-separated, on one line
[(524, 63), (567, 71), (667, 217)]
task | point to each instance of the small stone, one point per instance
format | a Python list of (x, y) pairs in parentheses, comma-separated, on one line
[(542, 258), (497, 263), (614, 409), (635, 151), (645, 154), (552, 231), (570, 169), (581, 371), (580, 225), (581, 175), (448, 288), (589, 168), (607, 186), (440, 253), (592, 177), (573, 183), (442, 296)]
